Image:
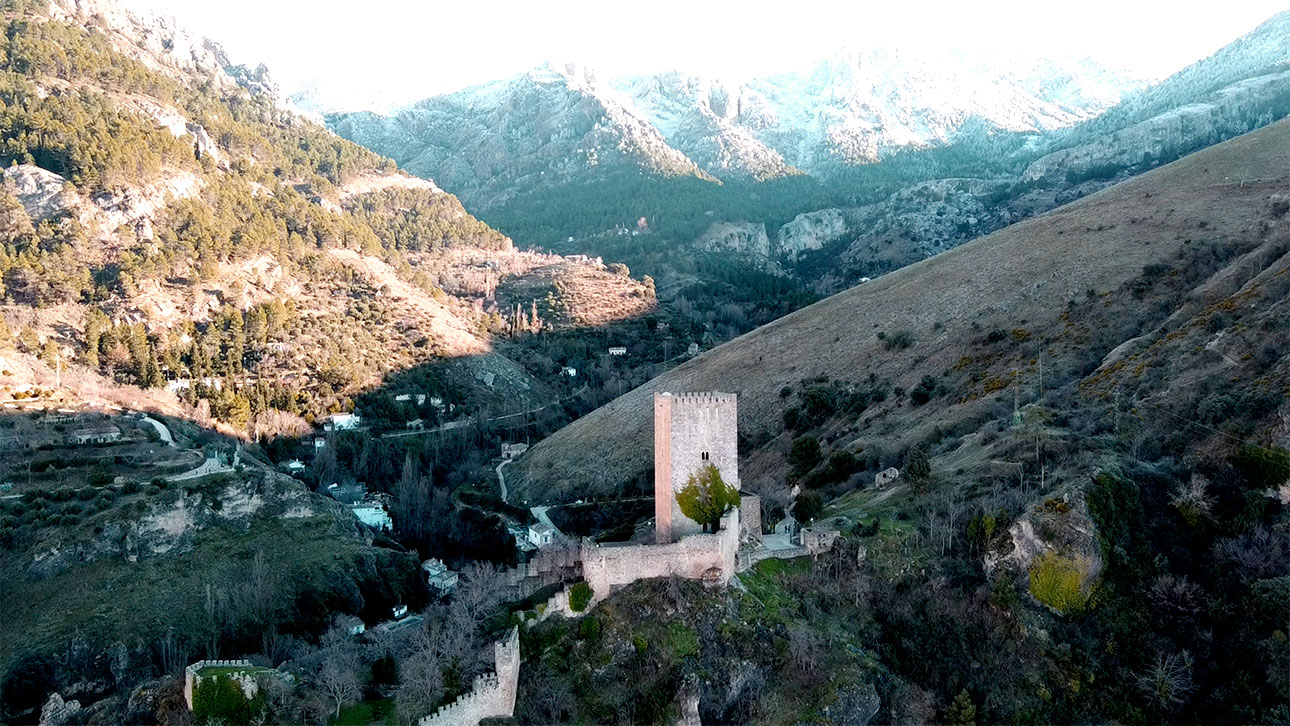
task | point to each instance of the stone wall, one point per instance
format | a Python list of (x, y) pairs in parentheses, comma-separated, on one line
[(750, 516), (191, 679), (610, 566), (493, 694), (691, 431)]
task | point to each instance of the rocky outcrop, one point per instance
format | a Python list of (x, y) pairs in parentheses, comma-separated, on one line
[(810, 231), (173, 519), (57, 712), (1233, 110), (1056, 532), (44, 194), (741, 237)]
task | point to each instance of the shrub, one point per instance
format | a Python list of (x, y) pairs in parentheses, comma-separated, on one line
[(589, 628), (924, 391), (899, 340), (1055, 582), (579, 597)]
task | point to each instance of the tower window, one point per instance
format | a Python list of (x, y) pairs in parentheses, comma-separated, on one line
[(705, 456)]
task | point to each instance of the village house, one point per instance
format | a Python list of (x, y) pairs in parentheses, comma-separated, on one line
[(440, 579), (541, 534), (373, 514), (512, 451)]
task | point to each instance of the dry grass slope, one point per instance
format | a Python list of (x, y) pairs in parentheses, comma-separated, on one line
[(1023, 278)]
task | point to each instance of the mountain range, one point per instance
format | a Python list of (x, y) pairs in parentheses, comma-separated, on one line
[(855, 107)]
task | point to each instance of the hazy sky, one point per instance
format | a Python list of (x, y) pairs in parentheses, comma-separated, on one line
[(401, 50)]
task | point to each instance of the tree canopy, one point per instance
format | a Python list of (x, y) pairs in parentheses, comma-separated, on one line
[(706, 497)]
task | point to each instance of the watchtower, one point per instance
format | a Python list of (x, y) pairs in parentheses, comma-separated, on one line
[(691, 431)]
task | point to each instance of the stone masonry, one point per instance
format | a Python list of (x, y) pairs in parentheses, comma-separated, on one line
[(493, 694), (691, 431)]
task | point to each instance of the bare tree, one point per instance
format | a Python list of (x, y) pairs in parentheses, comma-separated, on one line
[(420, 681), (481, 590), (1167, 682), (337, 677)]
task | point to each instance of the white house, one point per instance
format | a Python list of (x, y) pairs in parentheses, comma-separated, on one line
[(568, 371), (439, 577), (693, 349), (400, 611), (617, 350), (373, 514), (343, 422), (541, 534), (320, 443), (415, 424), (511, 451), (295, 466)]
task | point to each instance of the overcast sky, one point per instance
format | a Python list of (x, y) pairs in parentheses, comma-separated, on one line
[(403, 50)]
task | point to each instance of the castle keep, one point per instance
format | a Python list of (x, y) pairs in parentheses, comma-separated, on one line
[(691, 431)]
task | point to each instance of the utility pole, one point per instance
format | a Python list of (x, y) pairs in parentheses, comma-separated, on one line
[(1016, 399)]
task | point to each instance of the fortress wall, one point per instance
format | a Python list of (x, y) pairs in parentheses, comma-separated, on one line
[(608, 567), (493, 694)]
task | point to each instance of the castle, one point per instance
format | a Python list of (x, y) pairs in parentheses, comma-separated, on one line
[(691, 431)]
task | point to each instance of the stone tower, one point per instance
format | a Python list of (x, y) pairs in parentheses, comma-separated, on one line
[(691, 430)]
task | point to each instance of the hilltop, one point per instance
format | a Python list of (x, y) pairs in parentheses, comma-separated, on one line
[(1084, 288)]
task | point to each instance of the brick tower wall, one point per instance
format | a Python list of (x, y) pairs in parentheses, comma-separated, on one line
[(686, 427)]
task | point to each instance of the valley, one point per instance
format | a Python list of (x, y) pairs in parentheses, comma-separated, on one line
[(908, 386)]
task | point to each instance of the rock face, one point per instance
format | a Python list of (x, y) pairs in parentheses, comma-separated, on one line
[(858, 106), (810, 231), (42, 193), (1059, 525), (739, 237), (1232, 110), (174, 519), (710, 121), (57, 712)]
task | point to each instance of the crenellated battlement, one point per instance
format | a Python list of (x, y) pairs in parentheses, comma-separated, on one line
[(492, 695), (703, 397)]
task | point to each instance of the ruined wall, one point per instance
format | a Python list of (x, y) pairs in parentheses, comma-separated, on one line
[(493, 694), (750, 516), (691, 430), (191, 679), (610, 566)]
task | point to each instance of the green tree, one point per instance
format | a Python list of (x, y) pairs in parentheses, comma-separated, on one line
[(805, 454), (962, 712), (706, 498), (918, 468)]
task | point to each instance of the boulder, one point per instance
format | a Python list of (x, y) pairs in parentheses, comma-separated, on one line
[(57, 712)]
